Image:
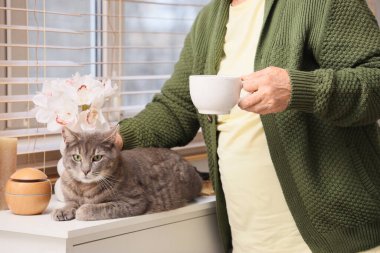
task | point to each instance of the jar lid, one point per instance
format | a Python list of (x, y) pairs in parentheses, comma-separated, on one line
[(28, 174)]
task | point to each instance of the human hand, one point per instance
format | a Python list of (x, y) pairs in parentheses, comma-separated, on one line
[(270, 91), (119, 141)]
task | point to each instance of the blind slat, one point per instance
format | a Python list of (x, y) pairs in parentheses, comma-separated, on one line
[(135, 32), (31, 80), (130, 62), (16, 115), (163, 3), (128, 110), (40, 165), (80, 15), (148, 77), (72, 64), (39, 29), (29, 98), (38, 145), (10, 63), (58, 30), (88, 47), (40, 11), (22, 80), (32, 132), (16, 98), (139, 92)]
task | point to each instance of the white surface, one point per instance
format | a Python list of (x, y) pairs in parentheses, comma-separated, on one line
[(189, 229), (45, 226)]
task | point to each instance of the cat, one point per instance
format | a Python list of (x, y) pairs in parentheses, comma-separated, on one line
[(101, 181)]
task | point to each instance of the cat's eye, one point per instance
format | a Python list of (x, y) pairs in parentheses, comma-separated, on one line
[(97, 158), (77, 158)]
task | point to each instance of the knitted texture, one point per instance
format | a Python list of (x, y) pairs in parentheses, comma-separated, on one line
[(326, 146)]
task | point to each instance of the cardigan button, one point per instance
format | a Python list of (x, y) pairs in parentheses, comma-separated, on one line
[(209, 118)]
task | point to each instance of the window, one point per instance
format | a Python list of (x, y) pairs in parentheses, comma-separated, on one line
[(134, 43)]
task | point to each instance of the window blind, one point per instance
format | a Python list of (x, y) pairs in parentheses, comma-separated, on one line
[(134, 43)]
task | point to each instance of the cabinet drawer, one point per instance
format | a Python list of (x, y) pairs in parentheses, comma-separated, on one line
[(197, 235)]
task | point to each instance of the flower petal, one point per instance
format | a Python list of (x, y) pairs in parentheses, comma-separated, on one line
[(40, 100), (44, 116), (53, 126)]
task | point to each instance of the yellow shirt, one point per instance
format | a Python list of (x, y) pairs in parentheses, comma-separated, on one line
[(259, 216)]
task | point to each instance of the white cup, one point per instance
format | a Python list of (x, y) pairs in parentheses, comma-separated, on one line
[(212, 94)]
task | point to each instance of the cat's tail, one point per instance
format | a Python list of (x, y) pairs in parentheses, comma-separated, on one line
[(197, 178), (204, 175)]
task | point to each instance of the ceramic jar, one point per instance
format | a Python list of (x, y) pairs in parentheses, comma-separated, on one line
[(28, 192)]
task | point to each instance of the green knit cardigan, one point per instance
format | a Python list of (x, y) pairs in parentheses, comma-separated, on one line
[(326, 146)]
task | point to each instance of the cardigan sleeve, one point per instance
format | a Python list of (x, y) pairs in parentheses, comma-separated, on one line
[(345, 90), (170, 119)]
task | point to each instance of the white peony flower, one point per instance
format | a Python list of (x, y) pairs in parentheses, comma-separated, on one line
[(92, 119), (61, 101)]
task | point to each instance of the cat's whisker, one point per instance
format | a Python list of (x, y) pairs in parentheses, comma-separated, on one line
[(111, 178), (112, 187), (105, 187), (108, 185), (108, 175), (102, 186)]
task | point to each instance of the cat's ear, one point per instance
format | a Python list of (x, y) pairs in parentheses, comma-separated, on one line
[(113, 136), (68, 135)]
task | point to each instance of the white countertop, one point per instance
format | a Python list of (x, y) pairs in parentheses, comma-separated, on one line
[(44, 225)]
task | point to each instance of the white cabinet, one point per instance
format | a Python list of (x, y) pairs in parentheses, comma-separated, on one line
[(191, 229)]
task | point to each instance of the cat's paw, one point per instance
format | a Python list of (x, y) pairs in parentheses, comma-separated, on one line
[(85, 212), (63, 214)]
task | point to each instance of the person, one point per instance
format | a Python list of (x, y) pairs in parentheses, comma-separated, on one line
[(296, 164)]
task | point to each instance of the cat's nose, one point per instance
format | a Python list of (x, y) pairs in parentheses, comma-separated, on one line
[(85, 172)]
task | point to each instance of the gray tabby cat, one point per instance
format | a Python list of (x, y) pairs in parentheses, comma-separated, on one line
[(102, 182)]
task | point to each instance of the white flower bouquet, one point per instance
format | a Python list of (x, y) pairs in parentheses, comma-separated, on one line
[(75, 102)]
